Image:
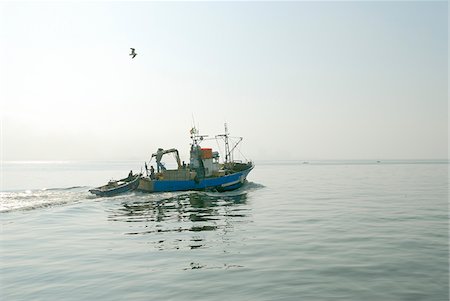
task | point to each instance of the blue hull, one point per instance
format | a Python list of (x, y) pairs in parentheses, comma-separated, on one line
[(224, 183)]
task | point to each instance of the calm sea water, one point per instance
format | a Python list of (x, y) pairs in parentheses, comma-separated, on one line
[(317, 231)]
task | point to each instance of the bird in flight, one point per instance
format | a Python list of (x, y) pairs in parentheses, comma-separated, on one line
[(133, 54)]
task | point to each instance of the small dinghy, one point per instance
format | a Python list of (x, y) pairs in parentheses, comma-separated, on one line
[(116, 187)]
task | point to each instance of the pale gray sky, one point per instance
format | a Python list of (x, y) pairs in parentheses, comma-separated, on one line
[(299, 80)]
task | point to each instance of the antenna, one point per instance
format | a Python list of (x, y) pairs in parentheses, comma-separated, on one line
[(193, 120)]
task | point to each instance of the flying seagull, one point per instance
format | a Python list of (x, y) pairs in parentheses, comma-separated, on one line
[(133, 54)]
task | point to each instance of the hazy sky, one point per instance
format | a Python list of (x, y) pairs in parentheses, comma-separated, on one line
[(298, 80)]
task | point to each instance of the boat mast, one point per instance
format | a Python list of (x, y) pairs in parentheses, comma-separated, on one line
[(227, 146), (196, 161), (196, 137)]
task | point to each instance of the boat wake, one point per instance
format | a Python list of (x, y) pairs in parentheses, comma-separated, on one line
[(49, 197), (42, 198), (247, 187)]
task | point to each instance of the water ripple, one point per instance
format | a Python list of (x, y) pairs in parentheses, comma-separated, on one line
[(173, 217)]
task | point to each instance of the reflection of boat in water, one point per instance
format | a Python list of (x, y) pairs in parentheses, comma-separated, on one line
[(204, 171), (116, 187), (191, 206), (182, 220)]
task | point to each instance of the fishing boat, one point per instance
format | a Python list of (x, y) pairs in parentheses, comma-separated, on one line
[(203, 172), (115, 187)]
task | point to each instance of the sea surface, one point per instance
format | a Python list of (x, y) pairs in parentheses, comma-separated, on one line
[(319, 230)]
